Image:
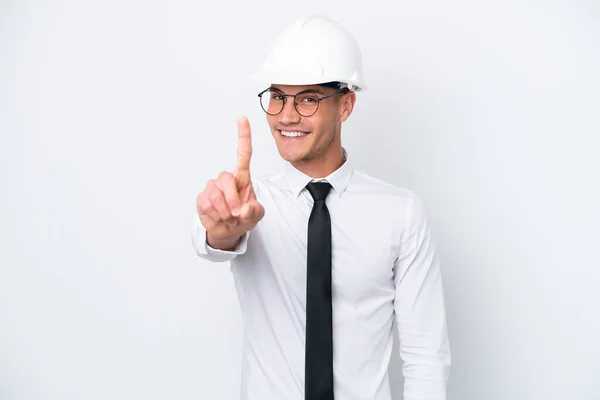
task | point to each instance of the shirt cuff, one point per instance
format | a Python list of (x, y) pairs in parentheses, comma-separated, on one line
[(204, 250)]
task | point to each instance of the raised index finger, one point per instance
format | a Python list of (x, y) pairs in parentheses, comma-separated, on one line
[(244, 151)]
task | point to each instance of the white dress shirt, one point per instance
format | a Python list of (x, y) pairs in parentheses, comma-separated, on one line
[(384, 268)]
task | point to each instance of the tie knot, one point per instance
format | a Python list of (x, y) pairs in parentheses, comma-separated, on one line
[(318, 190)]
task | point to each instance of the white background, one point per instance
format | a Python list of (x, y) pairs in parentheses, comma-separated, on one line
[(113, 114)]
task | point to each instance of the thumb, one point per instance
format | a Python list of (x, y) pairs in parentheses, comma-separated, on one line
[(252, 211)]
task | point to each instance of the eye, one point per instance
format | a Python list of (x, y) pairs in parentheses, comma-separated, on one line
[(277, 96), (309, 99)]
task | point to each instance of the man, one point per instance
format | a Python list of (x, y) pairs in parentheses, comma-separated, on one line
[(325, 258)]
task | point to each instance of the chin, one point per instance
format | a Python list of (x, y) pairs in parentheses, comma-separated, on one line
[(292, 151), (292, 155)]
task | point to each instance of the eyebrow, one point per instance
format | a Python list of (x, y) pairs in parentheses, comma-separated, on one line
[(315, 90)]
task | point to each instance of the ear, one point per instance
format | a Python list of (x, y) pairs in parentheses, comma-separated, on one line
[(347, 105)]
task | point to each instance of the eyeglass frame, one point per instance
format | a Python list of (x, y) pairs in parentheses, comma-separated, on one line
[(341, 91)]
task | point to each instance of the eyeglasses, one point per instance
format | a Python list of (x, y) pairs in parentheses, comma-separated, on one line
[(306, 102)]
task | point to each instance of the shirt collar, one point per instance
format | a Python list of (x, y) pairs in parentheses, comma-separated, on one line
[(338, 179)]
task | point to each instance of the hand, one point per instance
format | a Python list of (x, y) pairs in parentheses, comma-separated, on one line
[(227, 207)]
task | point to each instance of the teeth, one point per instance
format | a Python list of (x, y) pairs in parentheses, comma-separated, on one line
[(293, 134)]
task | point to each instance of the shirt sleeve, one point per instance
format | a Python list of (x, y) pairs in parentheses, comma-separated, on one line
[(420, 310), (203, 250)]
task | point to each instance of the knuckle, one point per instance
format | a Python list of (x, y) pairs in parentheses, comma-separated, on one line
[(211, 185), (228, 185), (205, 207), (203, 202), (245, 152), (200, 198), (215, 197), (225, 176)]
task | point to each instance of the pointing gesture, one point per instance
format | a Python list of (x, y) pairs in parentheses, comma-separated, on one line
[(227, 207), (244, 145)]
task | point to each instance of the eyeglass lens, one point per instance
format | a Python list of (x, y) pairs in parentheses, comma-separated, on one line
[(272, 102)]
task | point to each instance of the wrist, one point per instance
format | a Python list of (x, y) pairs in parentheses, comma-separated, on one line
[(223, 244)]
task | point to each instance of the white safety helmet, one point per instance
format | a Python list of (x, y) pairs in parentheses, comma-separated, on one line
[(313, 51)]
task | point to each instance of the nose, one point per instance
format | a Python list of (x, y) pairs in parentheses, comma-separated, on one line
[(289, 115)]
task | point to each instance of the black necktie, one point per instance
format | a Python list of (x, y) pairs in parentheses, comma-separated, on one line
[(319, 340)]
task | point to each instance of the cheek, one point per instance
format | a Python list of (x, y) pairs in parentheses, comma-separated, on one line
[(323, 127), (272, 121)]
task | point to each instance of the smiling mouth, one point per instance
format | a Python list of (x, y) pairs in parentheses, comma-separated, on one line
[(293, 134)]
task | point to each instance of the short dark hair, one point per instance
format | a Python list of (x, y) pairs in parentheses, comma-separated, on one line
[(334, 85)]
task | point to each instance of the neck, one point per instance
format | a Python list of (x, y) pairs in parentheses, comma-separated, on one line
[(322, 166)]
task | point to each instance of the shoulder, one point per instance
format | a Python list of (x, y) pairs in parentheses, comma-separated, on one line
[(369, 184), (406, 202)]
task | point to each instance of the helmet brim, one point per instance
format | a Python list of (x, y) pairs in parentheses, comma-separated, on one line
[(274, 78)]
